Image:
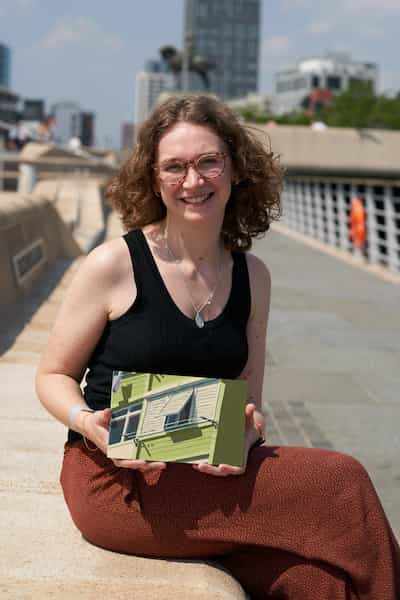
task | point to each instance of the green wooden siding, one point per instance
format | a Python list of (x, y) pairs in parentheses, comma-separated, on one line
[(179, 445), (228, 448)]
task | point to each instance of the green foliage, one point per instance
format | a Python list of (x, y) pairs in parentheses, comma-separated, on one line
[(253, 114), (385, 113), (356, 107), (352, 108), (294, 118)]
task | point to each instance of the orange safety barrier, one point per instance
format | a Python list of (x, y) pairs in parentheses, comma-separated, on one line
[(357, 223)]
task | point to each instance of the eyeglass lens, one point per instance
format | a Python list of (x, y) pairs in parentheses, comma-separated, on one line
[(208, 166)]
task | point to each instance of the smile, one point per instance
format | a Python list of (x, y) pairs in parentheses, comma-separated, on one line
[(198, 199)]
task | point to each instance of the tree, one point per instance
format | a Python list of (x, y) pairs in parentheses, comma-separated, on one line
[(352, 108)]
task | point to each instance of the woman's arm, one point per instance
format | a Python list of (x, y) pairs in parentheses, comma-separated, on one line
[(260, 284), (253, 373), (77, 329), (103, 289)]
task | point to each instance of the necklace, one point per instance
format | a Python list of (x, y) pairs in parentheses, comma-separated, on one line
[(198, 319)]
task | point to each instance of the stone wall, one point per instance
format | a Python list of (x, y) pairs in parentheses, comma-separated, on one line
[(62, 218)]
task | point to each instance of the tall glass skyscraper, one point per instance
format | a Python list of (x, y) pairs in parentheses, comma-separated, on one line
[(227, 32), (5, 66)]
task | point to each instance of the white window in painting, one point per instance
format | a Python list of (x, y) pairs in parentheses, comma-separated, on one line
[(182, 406), (132, 425)]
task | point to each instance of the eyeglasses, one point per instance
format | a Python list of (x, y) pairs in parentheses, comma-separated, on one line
[(208, 166)]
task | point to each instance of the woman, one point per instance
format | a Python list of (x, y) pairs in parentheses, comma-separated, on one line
[(181, 294)]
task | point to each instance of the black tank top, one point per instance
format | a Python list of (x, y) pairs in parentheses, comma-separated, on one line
[(154, 336)]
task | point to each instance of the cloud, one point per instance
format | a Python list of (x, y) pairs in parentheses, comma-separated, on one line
[(79, 32)]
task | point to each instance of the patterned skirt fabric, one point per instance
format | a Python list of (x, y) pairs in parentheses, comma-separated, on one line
[(300, 523)]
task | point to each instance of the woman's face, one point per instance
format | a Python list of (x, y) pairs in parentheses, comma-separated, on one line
[(196, 197)]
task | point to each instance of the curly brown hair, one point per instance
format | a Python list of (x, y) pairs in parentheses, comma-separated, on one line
[(255, 196)]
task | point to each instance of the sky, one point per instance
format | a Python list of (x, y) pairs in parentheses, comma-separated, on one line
[(89, 51)]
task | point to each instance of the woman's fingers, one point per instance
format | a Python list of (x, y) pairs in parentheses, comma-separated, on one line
[(218, 470), (249, 412)]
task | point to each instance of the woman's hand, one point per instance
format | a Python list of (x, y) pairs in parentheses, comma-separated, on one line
[(96, 427), (253, 431)]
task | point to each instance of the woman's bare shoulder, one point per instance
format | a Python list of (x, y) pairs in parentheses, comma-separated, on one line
[(109, 262), (257, 269), (260, 284)]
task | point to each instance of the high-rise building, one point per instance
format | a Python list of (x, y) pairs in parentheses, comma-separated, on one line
[(9, 106), (127, 135), (33, 110), (148, 86), (227, 33), (67, 117), (87, 129), (5, 66)]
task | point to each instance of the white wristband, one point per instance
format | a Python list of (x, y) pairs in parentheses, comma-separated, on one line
[(74, 413)]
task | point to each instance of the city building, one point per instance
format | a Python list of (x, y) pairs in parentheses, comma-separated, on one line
[(227, 33), (8, 106), (5, 66), (127, 135), (71, 122), (33, 110), (148, 86), (333, 72), (86, 135), (66, 115)]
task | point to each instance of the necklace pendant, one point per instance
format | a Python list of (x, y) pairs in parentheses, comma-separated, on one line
[(199, 320)]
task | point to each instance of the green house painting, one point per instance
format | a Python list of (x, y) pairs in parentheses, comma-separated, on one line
[(177, 418)]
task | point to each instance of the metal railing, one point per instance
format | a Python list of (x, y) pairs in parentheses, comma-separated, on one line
[(320, 207)]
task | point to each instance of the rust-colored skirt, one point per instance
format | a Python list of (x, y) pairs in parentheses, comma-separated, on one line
[(300, 523)]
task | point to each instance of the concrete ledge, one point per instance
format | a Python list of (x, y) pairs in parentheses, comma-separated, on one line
[(25, 220), (42, 554), (79, 202), (61, 218)]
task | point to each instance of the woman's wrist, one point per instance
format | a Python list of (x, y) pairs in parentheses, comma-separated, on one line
[(77, 418)]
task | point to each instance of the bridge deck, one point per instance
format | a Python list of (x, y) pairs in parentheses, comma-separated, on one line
[(333, 380)]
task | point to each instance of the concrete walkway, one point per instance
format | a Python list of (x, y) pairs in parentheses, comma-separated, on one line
[(333, 368), (332, 380)]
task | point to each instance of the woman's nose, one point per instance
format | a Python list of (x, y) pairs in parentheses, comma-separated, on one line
[(192, 177)]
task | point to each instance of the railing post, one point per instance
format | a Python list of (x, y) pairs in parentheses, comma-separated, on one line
[(372, 236), (342, 218), (318, 213), (308, 208), (330, 216), (391, 240)]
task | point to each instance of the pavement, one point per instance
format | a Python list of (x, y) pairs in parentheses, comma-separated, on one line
[(332, 381), (333, 363)]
